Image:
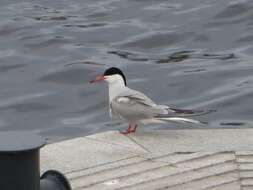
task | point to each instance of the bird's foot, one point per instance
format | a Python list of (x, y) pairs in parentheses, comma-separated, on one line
[(129, 130), (125, 132)]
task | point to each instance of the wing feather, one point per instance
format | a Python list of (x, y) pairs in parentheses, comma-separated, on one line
[(134, 107)]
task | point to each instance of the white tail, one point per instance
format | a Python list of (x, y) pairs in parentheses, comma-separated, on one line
[(180, 119)]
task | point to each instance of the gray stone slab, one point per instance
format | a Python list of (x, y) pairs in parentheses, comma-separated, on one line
[(195, 140), (114, 137), (245, 158), (246, 166), (234, 185), (102, 168), (246, 174), (249, 187), (82, 153), (172, 159), (169, 178), (208, 182), (247, 182)]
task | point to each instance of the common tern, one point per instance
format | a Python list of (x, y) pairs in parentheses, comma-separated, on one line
[(135, 107)]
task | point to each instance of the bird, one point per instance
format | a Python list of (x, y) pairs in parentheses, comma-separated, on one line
[(135, 107)]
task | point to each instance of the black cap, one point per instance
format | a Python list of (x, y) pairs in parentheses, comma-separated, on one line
[(114, 71)]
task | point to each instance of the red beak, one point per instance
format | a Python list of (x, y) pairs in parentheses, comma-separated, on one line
[(98, 79)]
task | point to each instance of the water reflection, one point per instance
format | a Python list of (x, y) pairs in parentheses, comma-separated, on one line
[(174, 57)]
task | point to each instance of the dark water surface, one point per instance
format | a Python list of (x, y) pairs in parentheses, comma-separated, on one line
[(192, 54)]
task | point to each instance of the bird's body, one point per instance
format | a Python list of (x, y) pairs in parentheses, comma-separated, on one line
[(135, 107)]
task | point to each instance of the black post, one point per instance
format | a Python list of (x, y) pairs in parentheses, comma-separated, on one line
[(19, 161), (20, 166)]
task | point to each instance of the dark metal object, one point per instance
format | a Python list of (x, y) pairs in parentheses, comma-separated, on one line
[(54, 180), (20, 167), (19, 161)]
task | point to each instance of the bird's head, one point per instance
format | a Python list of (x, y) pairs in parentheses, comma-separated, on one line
[(111, 75)]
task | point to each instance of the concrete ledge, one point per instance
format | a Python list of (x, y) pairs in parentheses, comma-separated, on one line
[(172, 159)]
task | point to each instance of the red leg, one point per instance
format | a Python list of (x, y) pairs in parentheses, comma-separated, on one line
[(129, 130), (134, 129)]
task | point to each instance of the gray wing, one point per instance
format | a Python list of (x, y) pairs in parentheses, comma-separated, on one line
[(133, 106), (136, 95)]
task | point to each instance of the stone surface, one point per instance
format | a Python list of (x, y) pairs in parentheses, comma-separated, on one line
[(82, 153), (195, 140), (173, 159)]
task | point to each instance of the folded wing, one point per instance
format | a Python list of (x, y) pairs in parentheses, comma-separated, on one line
[(132, 105)]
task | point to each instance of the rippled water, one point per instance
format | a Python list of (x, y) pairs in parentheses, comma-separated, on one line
[(192, 54)]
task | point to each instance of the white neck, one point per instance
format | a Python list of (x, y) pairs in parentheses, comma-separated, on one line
[(115, 88), (116, 84)]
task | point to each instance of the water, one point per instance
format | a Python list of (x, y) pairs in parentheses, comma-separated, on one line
[(192, 54)]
